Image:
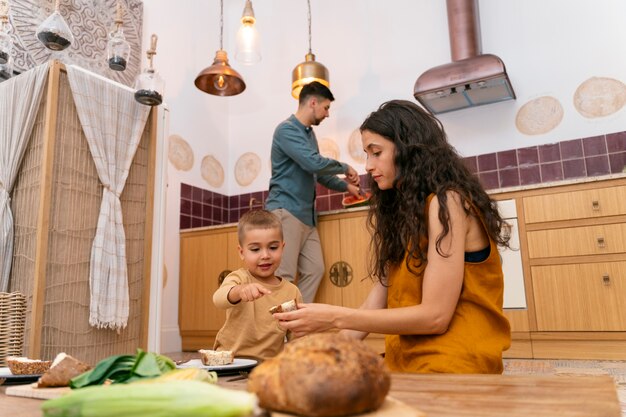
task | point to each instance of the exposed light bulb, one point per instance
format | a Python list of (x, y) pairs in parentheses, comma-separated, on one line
[(220, 83), (248, 44)]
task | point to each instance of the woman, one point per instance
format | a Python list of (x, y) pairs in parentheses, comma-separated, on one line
[(438, 295)]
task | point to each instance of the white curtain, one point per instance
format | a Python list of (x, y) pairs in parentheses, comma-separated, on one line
[(113, 123), (19, 102)]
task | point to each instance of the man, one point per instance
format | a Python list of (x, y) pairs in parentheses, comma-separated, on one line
[(296, 167)]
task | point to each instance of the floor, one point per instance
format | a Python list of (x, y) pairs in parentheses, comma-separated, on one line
[(616, 369)]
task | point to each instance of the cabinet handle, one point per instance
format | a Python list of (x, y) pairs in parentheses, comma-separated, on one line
[(601, 242), (606, 279), (595, 205), (340, 274), (222, 275)]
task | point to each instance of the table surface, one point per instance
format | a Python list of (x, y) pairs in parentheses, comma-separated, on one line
[(461, 395)]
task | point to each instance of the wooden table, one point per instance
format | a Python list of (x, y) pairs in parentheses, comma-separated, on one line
[(462, 395)]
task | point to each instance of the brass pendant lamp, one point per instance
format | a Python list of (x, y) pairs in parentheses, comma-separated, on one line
[(220, 79), (310, 70)]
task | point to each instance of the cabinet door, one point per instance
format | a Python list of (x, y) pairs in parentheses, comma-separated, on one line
[(583, 204), (355, 241), (577, 241), (580, 297), (328, 292), (202, 259)]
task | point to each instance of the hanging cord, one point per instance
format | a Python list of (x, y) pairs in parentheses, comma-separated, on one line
[(4, 12), (221, 25), (118, 15), (309, 17), (152, 51)]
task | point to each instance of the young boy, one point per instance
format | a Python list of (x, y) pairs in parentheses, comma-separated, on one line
[(250, 292)]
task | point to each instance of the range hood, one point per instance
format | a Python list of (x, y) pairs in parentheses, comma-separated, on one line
[(472, 79)]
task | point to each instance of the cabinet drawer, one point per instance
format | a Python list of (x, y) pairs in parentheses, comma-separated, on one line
[(580, 297), (582, 204), (577, 241)]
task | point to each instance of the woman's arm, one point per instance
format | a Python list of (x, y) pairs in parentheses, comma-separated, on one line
[(442, 284)]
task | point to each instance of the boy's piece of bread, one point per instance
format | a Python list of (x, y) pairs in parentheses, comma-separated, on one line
[(24, 366), (290, 305), (216, 357), (63, 369)]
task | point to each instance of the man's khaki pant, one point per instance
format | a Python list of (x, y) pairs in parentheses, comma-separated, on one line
[(302, 256)]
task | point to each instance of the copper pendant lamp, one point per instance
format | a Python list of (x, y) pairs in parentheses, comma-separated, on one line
[(310, 70), (220, 79)]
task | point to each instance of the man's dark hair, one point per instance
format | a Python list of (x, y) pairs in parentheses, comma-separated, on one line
[(317, 89)]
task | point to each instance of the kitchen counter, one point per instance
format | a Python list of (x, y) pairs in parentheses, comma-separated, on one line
[(447, 395)]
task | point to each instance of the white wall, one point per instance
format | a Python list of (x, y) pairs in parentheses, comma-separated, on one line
[(374, 50)]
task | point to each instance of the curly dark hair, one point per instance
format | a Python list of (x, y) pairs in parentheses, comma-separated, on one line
[(425, 164)]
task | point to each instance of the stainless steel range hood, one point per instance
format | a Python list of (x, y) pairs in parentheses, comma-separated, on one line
[(472, 79)]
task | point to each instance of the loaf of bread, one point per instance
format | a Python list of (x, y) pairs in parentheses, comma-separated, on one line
[(63, 369), (216, 357), (290, 305), (322, 375), (25, 366)]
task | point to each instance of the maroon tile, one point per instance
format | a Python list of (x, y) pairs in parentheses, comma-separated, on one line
[(196, 194), (595, 145), (185, 222), (551, 172), (207, 211), (207, 222), (207, 197), (509, 177), (224, 215), (529, 175), (571, 149), (233, 215), (265, 194), (507, 159), (471, 162), (321, 190), (196, 209), (617, 162), (616, 142), (196, 222), (219, 200), (335, 201), (549, 153), (489, 180), (528, 156), (597, 165), (322, 203), (233, 202), (487, 162), (574, 168), (258, 197), (185, 206), (185, 191), (244, 201)]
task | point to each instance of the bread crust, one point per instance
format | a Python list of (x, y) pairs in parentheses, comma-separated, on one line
[(322, 375)]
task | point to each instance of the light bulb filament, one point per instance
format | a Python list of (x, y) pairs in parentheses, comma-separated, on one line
[(220, 83)]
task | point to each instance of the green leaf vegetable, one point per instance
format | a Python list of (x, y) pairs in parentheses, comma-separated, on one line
[(125, 368), (163, 399)]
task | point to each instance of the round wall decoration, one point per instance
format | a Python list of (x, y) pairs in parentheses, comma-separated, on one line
[(212, 171), (180, 153), (599, 97), (247, 168), (355, 147), (539, 116), (329, 148)]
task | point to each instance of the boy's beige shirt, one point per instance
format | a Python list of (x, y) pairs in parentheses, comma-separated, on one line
[(250, 330)]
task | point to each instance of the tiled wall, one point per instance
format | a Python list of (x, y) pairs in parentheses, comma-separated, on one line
[(587, 157)]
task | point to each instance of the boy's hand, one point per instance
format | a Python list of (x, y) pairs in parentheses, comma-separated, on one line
[(247, 292)]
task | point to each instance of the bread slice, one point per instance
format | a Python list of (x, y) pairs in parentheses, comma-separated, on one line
[(216, 357), (19, 365), (63, 369), (290, 305)]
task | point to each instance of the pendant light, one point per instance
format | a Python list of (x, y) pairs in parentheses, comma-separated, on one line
[(248, 44), (310, 70), (6, 42), (54, 33), (149, 85), (220, 79), (118, 48)]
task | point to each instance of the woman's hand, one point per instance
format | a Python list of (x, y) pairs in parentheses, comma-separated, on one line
[(309, 318), (247, 292)]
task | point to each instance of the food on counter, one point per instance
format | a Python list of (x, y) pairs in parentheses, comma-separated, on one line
[(322, 375), (19, 365), (164, 399), (125, 368), (63, 369), (216, 357), (290, 305), (352, 201)]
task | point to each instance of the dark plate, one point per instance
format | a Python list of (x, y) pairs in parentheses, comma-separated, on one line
[(10, 379)]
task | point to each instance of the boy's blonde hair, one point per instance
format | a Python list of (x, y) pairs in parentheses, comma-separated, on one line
[(258, 219)]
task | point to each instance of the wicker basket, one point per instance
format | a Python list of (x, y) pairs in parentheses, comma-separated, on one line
[(12, 323)]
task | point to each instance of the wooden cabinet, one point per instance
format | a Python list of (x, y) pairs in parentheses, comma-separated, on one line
[(206, 257)]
